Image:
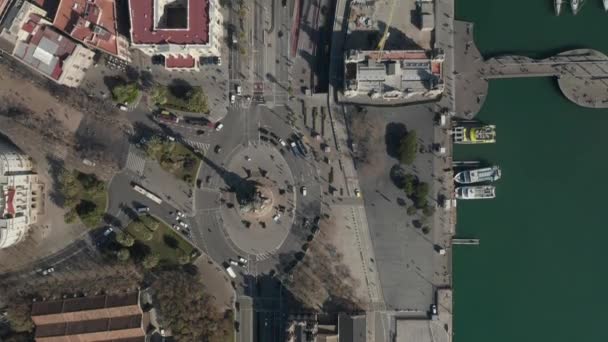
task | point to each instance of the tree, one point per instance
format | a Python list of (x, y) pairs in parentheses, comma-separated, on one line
[(426, 230), (150, 261), (182, 258), (152, 224), (411, 210), (428, 210), (159, 94), (421, 193), (70, 216), (196, 101), (182, 300), (407, 148), (125, 93), (124, 239), (409, 184), (123, 254), (19, 316), (146, 235)]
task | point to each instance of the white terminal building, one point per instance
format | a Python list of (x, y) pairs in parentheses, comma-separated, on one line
[(22, 195), (182, 31), (392, 75)]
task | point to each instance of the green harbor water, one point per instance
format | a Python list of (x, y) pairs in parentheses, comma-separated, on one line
[(540, 272)]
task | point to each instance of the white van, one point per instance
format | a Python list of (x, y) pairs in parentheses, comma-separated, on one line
[(230, 272)]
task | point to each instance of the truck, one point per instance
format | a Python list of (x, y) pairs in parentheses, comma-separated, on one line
[(230, 272)]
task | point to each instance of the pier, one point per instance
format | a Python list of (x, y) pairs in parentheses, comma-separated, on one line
[(582, 74), (472, 242)]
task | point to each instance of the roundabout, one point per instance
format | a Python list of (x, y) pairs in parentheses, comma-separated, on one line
[(259, 204)]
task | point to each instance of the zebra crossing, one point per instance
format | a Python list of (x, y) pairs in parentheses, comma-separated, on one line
[(136, 162), (204, 147)]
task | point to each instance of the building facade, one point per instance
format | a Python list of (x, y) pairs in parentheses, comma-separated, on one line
[(182, 31), (22, 195)]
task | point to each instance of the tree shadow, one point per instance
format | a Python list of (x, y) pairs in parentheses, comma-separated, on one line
[(392, 137), (56, 167), (397, 175)]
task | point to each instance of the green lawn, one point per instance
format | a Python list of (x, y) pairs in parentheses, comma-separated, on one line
[(174, 158), (168, 244)]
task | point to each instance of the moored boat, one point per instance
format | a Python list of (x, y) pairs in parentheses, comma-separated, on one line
[(485, 134), (605, 5), (558, 6), (476, 192), (575, 5), (486, 174)]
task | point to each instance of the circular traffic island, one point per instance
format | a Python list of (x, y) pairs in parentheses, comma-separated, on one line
[(258, 207)]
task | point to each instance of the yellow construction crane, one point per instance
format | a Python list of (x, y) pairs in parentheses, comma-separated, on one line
[(385, 35)]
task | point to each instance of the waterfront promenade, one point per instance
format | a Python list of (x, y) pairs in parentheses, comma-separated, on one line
[(582, 75)]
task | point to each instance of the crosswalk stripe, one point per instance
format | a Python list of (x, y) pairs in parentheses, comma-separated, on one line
[(199, 145), (135, 162)]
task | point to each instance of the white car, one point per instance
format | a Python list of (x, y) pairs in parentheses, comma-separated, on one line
[(123, 108), (276, 217), (232, 98), (176, 227), (108, 231), (48, 271), (303, 191), (183, 224), (238, 90), (179, 214), (357, 193), (243, 260), (232, 262), (219, 127), (282, 142)]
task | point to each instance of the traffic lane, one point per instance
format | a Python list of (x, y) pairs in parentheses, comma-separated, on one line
[(124, 201)]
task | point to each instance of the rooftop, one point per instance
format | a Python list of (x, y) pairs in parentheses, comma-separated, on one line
[(145, 29), (180, 61), (90, 21), (101, 318), (44, 49)]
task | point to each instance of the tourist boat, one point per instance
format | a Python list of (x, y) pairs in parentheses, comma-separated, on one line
[(476, 192), (575, 5), (474, 135), (486, 174), (558, 6), (605, 5)]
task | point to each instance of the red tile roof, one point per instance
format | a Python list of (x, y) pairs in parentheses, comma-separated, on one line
[(180, 61), (143, 31), (90, 21)]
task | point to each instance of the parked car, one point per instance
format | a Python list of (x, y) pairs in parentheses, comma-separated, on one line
[(142, 210), (123, 107), (217, 149), (238, 90), (243, 260), (48, 271), (303, 189), (282, 142), (233, 262), (219, 126), (108, 231), (232, 98)]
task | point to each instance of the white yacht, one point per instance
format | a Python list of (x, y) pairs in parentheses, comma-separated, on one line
[(476, 192), (575, 5), (558, 6), (486, 174), (605, 5)]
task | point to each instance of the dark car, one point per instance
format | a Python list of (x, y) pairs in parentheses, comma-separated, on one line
[(217, 149)]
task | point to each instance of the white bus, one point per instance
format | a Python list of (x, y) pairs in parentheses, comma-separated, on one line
[(147, 193)]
